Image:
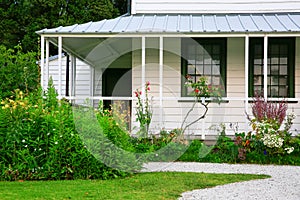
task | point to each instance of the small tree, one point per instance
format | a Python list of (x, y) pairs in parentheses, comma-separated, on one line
[(200, 90)]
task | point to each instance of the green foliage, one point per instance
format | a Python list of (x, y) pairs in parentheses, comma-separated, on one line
[(20, 19), (192, 153), (39, 141), (167, 146), (18, 70)]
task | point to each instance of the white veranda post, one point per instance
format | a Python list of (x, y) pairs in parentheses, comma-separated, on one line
[(59, 67), (161, 73), (265, 67), (246, 79)]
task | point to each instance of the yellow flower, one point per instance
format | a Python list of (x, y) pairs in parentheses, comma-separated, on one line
[(6, 106), (2, 102)]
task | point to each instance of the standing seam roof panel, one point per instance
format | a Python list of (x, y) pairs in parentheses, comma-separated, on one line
[(196, 23)]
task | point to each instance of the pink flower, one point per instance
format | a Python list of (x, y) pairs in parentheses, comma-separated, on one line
[(137, 93), (148, 88), (148, 83)]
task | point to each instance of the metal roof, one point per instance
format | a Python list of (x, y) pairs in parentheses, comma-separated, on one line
[(182, 23)]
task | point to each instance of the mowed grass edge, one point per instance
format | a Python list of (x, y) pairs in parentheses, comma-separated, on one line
[(158, 185)]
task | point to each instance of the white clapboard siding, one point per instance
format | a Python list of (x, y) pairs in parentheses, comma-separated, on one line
[(83, 77), (214, 6)]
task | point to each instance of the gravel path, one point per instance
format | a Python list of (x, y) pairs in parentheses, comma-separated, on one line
[(283, 185)]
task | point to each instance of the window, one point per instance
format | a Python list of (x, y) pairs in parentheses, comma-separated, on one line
[(204, 57), (281, 60)]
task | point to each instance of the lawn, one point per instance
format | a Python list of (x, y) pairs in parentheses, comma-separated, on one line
[(158, 185)]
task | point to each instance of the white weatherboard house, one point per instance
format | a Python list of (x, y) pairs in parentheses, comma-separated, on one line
[(244, 45)]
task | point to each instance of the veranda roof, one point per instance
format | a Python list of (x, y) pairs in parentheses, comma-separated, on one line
[(182, 23)]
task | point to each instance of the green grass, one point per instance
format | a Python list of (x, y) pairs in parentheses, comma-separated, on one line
[(160, 185)]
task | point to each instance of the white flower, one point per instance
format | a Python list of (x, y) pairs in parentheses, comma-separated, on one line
[(55, 142), (26, 146), (48, 134), (289, 150), (23, 141)]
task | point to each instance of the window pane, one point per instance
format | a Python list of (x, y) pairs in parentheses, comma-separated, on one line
[(257, 69), (191, 61), (200, 58), (274, 80), (258, 49), (283, 81), (274, 49), (216, 80), (207, 69), (199, 69), (284, 49), (283, 70), (216, 49), (191, 49), (208, 80), (274, 61), (283, 61), (207, 59), (274, 69), (274, 91), (208, 48), (258, 90), (191, 69), (258, 61), (189, 90), (257, 80), (216, 59), (283, 91), (216, 70)]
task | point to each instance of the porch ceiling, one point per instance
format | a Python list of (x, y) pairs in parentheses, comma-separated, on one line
[(182, 23)]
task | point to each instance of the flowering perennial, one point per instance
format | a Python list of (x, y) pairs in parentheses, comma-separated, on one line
[(143, 109)]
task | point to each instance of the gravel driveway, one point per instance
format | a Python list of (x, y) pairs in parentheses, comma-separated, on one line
[(283, 185)]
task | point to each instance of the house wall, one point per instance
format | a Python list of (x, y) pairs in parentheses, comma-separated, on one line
[(83, 77), (232, 112), (214, 6)]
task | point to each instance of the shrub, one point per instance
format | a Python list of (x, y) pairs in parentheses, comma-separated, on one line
[(18, 70), (38, 141)]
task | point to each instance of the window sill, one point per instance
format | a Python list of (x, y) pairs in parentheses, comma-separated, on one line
[(278, 101), (206, 101)]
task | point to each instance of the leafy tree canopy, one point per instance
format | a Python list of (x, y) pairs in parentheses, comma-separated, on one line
[(21, 18)]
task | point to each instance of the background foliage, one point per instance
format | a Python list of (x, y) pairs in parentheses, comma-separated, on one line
[(18, 70), (20, 19)]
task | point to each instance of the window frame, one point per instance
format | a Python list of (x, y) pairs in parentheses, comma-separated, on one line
[(204, 41), (291, 41)]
